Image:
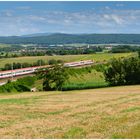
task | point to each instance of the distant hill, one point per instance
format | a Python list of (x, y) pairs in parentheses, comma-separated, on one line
[(37, 34), (60, 38)]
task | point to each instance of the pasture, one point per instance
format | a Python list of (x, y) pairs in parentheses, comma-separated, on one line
[(96, 113), (67, 58)]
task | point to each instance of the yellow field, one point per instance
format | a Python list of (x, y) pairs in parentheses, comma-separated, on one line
[(66, 58), (97, 113)]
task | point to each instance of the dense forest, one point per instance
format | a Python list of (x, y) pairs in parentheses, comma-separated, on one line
[(60, 38)]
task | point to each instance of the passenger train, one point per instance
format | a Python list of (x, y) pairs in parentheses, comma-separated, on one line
[(79, 63), (29, 70), (18, 72)]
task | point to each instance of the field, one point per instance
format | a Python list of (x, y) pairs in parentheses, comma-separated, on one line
[(4, 45), (97, 113), (67, 58)]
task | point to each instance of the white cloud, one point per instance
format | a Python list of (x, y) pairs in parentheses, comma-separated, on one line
[(107, 7), (108, 20), (119, 5), (112, 17), (6, 13)]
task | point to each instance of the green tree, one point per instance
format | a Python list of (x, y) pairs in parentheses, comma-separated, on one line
[(52, 62), (123, 71), (139, 54), (39, 63), (54, 77), (115, 73)]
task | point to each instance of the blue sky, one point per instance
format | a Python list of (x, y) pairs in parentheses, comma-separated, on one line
[(19, 18)]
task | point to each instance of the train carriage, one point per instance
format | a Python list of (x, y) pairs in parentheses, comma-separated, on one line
[(29, 70)]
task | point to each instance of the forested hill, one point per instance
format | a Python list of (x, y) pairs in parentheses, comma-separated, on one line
[(60, 38)]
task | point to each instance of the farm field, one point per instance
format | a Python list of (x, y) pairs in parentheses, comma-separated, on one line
[(96, 113), (67, 58)]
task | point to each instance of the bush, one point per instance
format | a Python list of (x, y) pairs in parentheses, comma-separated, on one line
[(52, 62), (13, 87), (28, 80), (21, 85), (123, 71)]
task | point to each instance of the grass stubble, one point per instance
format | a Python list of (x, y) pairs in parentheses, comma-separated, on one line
[(95, 113)]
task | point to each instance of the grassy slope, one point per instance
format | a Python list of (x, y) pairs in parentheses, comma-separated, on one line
[(66, 58), (88, 80), (99, 113), (81, 81)]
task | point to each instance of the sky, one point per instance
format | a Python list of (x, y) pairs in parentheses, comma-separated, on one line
[(21, 18)]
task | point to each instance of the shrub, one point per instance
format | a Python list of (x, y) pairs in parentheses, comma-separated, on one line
[(52, 62), (21, 85), (28, 80), (123, 71)]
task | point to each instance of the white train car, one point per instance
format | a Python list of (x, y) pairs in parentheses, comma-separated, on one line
[(17, 72), (29, 70), (79, 63)]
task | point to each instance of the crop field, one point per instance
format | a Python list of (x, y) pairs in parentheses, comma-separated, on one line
[(96, 113), (67, 58)]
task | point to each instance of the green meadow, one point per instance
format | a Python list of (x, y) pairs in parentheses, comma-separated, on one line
[(100, 57)]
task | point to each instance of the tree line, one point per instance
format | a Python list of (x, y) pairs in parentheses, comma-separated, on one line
[(10, 52), (124, 71), (60, 38), (14, 65), (125, 49)]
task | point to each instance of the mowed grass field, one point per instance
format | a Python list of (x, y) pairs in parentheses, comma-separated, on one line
[(67, 58), (96, 113)]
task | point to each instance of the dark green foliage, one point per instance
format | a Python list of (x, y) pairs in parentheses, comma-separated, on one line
[(124, 49), (28, 80), (139, 54), (9, 81), (123, 71), (52, 62), (72, 38), (23, 65), (54, 77), (21, 85), (60, 61), (14, 87), (72, 50), (84, 86)]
